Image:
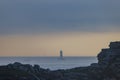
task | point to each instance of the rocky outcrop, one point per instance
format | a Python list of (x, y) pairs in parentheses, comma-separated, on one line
[(109, 60), (107, 68), (108, 55), (25, 67), (115, 45)]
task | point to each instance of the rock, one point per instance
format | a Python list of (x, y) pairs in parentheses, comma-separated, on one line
[(110, 54), (109, 59), (36, 67), (115, 45), (94, 65)]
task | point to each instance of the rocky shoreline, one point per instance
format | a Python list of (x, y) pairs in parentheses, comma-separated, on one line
[(107, 68)]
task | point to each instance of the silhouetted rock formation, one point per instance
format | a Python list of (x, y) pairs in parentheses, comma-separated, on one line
[(109, 60), (115, 45), (107, 68)]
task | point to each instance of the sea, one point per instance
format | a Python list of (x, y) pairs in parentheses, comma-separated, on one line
[(52, 63)]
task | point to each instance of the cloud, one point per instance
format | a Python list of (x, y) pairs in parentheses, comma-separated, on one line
[(27, 16)]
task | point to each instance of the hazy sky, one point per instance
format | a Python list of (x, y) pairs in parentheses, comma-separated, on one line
[(43, 27)]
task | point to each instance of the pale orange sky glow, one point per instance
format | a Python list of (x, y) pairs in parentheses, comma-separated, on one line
[(72, 44)]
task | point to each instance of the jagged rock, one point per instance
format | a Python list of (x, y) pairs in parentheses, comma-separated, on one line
[(24, 67), (115, 45), (110, 54), (109, 59)]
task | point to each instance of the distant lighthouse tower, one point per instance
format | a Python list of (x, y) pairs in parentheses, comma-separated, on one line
[(61, 54)]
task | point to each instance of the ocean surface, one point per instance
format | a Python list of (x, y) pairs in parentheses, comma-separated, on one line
[(53, 63)]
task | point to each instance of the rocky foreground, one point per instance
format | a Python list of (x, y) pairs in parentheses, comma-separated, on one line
[(107, 68)]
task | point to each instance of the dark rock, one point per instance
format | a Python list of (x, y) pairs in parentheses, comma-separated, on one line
[(94, 65), (36, 68), (109, 59), (115, 45)]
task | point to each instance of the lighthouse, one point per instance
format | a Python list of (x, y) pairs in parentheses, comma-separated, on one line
[(61, 54)]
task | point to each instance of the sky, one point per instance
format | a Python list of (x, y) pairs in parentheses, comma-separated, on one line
[(44, 27)]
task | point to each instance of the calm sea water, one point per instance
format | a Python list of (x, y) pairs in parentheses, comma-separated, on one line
[(52, 63)]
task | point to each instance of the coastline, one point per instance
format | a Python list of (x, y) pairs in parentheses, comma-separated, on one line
[(107, 68)]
